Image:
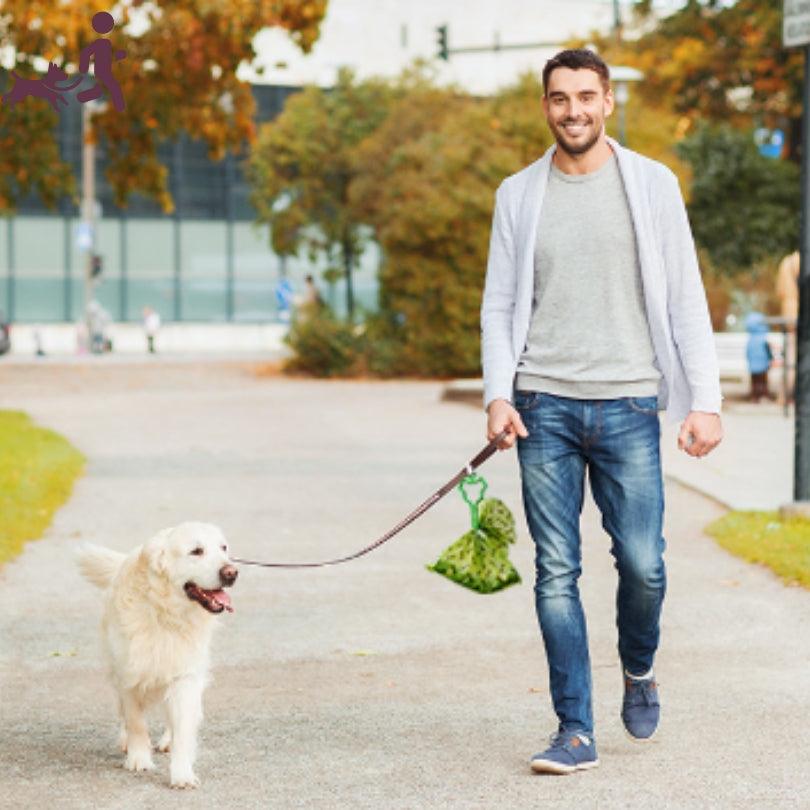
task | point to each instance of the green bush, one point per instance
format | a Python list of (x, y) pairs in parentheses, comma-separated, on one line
[(324, 346), (382, 347)]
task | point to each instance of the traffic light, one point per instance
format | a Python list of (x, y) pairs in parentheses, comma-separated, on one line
[(441, 41), (97, 267)]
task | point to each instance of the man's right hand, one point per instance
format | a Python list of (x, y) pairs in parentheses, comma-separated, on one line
[(501, 415)]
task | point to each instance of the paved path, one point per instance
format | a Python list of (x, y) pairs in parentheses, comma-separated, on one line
[(377, 684), (752, 468)]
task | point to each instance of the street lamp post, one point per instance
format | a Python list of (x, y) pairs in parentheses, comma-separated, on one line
[(801, 479), (796, 34), (88, 208)]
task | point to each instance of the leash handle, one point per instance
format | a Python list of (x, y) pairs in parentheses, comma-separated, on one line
[(488, 451)]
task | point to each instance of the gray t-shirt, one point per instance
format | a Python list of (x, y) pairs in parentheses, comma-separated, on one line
[(589, 337)]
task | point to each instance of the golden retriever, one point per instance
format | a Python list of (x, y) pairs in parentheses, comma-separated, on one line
[(159, 609)]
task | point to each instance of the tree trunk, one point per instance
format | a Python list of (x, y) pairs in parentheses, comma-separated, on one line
[(348, 261)]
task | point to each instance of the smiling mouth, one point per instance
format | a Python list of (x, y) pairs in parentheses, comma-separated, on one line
[(574, 129), (214, 601)]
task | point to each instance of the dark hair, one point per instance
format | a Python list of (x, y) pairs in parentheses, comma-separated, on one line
[(577, 59)]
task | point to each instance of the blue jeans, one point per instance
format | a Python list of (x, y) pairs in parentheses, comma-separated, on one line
[(618, 440)]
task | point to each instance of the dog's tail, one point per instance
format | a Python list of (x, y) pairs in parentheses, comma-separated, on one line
[(99, 565)]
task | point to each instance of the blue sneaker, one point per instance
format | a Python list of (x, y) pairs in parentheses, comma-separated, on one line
[(569, 751), (640, 707)]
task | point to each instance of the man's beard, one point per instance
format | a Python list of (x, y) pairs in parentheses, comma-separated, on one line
[(579, 149)]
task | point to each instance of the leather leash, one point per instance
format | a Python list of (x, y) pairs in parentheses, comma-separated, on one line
[(420, 510)]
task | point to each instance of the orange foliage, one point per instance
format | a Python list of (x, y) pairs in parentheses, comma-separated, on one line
[(695, 57), (178, 76)]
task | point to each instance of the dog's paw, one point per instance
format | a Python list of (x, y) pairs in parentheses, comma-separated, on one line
[(122, 741), (184, 780), (165, 743), (139, 761)]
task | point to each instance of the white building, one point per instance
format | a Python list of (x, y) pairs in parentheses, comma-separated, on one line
[(381, 37)]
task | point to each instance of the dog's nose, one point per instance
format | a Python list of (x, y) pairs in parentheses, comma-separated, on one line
[(228, 574)]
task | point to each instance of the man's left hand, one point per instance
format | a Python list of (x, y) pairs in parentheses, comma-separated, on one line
[(705, 430)]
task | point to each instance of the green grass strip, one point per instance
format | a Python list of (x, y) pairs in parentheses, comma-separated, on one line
[(763, 537), (37, 471)]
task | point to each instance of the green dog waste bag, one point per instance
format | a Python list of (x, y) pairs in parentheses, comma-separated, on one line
[(479, 559)]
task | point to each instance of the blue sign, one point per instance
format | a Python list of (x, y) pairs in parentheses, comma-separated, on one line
[(770, 142)]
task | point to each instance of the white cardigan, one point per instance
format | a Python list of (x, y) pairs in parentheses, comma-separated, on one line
[(674, 297)]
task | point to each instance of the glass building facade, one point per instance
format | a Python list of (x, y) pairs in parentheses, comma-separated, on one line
[(208, 261)]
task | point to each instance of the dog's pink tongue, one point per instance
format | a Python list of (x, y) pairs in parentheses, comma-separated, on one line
[(223, 599)]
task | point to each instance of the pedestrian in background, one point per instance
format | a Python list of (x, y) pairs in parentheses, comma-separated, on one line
[(151, 327), (98, 322), (759, 355), (39, 348), (312, 295), (284, 298), (5, 334)]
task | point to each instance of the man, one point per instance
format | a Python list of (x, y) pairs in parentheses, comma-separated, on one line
[(594, 318)]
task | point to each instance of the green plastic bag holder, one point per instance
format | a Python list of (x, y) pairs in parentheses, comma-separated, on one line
[(479, 559)]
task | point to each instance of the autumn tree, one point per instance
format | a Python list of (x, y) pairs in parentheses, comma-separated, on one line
[(744, 208), (720, 62), (428, 189), (303, 164), (179, 75)]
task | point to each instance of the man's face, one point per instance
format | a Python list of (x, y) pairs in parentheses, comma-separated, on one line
[(576, 106)]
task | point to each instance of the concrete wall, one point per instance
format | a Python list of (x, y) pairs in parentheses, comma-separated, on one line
[(174, 338)]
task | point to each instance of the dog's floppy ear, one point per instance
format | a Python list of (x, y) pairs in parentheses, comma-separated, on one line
[(156, 552)]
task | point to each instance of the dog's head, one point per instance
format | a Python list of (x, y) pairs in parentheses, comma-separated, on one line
[(55, 74), (194, 558)]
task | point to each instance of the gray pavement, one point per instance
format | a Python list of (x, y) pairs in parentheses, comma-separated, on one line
[(752, 468), (378, 684)]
